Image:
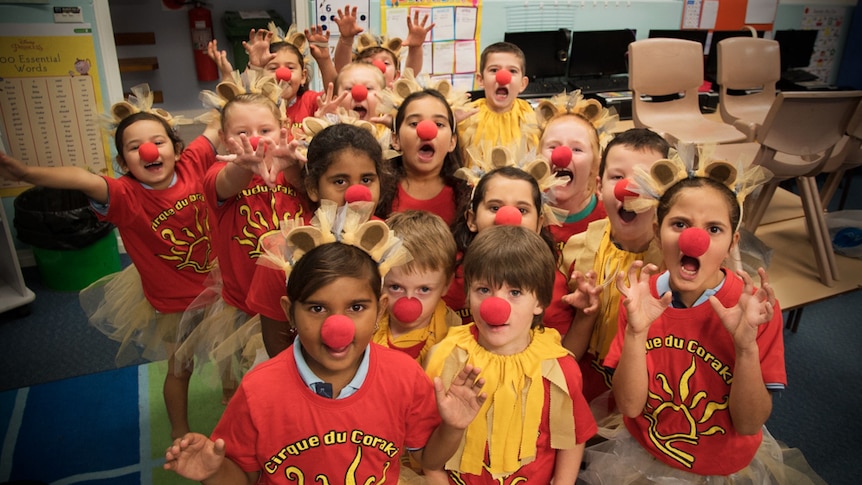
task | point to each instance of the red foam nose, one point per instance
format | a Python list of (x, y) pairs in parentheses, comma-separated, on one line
[(507, 216), (359, 92), (621, 190), (495, 311), (561, 156), (357, 193), (503, 77), (380, 65), (254, 141), (693, 242), (426, 130), (148, 152), (283, 74), (407, 310), (337, 331)]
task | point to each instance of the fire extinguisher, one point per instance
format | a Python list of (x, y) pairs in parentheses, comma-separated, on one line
[(201, 24)]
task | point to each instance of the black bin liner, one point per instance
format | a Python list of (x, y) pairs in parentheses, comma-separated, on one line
[(57, 219)]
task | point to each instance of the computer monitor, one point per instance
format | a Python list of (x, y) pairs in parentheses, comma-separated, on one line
[(598, 53), (710, 67), (796, 48), (545, 52), (690, 34)]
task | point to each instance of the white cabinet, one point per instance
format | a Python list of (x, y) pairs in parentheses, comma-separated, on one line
[(13, 292)]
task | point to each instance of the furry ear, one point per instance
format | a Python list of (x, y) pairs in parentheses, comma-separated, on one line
[(229, 90), (444, 87), (394, 44), (122, 109), (592, 109), (313, 126), (538, 168), (365, 41), (304, 239), (299, 41), (664, 173), (722, 172), (500, 156), (373, 237), (544, 112), (402, 88)]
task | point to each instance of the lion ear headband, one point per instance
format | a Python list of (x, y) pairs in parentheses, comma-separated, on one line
[(602, 119), (391, 99), (367, 40), (650, 185), (250, 81), (486, 158), (140, 101)]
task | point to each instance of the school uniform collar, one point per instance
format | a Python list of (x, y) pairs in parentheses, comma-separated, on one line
[(310, 379), (662, 286)]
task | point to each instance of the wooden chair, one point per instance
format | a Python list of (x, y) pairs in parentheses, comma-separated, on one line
[(846, 156), (748, 69), (664, 77), (795, 141)]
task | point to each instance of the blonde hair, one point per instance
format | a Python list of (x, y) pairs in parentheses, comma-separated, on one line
[(359, 65), (594, 143), (427, 237), (251, 98)]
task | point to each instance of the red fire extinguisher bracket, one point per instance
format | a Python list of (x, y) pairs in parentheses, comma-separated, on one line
[(201, 26)]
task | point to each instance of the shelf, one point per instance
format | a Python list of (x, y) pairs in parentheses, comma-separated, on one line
[(138, 64)]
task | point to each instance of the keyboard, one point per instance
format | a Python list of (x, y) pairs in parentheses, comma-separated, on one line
[(797, 76), (601, 84), (543, 89)]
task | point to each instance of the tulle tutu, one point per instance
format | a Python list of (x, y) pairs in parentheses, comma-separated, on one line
[(116, 306), (621, 460)]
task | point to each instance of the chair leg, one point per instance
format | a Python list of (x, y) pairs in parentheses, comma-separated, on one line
[(831, 186), (759, 205), (823, 254)]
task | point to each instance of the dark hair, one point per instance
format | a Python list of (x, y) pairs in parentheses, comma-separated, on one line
[(277, 46), (669, 198), (451, 163), (327, 263), (464, 236), (641, 139), (342, 136), (504, 48), (512, 255), (129, 120)]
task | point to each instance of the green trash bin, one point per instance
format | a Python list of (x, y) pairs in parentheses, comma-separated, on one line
[(237, 25), (72, 247)]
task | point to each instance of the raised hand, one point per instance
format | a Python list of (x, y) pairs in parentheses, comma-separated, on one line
[(755, 307), (257, 47), (641, 306), (246, 156), (318, 41), (328, 102), (194, 456), (346, 21), (459, 404), (416, 30), (220, 58), (586, 294), (283, 155)]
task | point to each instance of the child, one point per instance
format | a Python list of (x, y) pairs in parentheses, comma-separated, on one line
[(363, 102), (699, 349), (273, 51), (508, 190), (159, 207), (607, 246), (248, 197), (571, 142), (502, 118), (430, 156), (385, 54), (340, 156), (354, 407), (534, 424), (418, 317)]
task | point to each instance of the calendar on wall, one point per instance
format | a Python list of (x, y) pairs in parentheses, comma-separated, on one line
[(50, 99)]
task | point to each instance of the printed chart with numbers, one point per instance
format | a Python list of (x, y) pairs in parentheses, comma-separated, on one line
[(326, 11)]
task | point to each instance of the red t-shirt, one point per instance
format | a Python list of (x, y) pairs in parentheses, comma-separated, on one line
[(442, 204), (166, 232), (304, 106), (276, 424), (690, 361), (562, 233), (241, 222)]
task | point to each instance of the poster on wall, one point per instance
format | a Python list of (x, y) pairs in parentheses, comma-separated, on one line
[(827, 21), (451, 49), (50, 99)]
